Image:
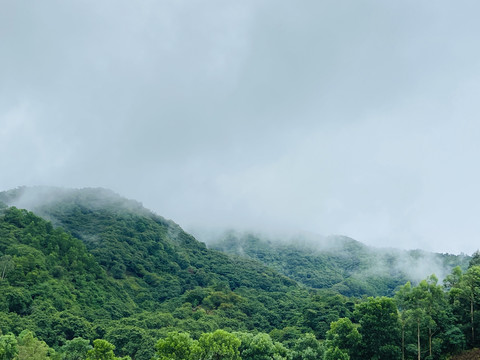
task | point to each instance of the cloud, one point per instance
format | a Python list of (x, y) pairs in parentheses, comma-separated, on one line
[(351, 118)]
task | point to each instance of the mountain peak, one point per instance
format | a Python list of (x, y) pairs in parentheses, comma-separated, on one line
[(37, 197)]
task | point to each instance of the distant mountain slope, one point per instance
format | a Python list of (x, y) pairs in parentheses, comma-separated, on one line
[(339, 263)]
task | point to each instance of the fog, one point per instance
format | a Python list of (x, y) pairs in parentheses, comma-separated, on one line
[(339, 254), (351, 118)]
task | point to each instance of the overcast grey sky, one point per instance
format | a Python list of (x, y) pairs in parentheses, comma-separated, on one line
[(352, 117)]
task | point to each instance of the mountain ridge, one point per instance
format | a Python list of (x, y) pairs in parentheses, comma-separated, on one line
[(104, 267), (339, 262), (335, 262)]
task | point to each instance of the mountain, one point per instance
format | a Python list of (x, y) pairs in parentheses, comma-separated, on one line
[(338, 262), (135, 245), (90, 263)]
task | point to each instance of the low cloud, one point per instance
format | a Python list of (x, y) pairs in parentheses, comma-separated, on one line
[(355, 119)]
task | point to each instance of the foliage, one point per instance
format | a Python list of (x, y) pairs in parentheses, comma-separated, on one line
[(103, 350), (338, 263), (307, 347), (344, 335), (475, 260), (176, 346), (75, 349), (8, 347), (107, 272), (30, 348), (218, 345), (259, 346), (336, 354), (379, 328)]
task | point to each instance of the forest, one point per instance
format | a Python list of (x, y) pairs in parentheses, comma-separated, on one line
[(87, 274)]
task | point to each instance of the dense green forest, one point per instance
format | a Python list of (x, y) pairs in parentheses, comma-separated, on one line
[(87, 274)]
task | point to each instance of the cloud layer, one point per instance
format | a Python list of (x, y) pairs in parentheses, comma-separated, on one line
[(354, 118)]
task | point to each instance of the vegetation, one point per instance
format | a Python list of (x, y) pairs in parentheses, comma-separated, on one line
[(104, 278), (338, 262)]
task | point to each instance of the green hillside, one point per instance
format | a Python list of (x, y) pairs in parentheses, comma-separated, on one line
[(51, 285), (339, 263), (88, 275), (109, 263)]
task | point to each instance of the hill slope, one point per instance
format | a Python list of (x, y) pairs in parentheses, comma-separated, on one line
[(339, 263), (136, 271), (49, 281), (97, 265), (129, 241)]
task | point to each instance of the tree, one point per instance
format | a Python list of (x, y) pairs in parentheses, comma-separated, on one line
[(219, 345), (427, 318), (103, 350), (307, 347), (322, 310), (471, 289), (259, 347), (131, 340), (475, 260), (75, 349), (345, 336), (430, 297), (66, 326), (462, 300), (411, 304), (415, 317), (176, 346), (453, 280), (404, 302), (8, 347), (336, 354), (30, 348), (379, 328), (6, 266), (454, 340)]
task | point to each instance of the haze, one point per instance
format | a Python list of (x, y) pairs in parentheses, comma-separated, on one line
[(357, 118)]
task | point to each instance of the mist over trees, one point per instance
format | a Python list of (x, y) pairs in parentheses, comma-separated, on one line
[(104, 278)]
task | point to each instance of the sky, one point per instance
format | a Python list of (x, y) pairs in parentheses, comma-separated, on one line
[(358, 118)]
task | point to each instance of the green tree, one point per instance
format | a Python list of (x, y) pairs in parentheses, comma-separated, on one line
[(322, 310), (103, 350), (429, 300), (132, 341), (6, 265), (471, 290), (425, 312), (411, 304), (452, 281), (335, 354), (379, 328), (176, 346), (475, 260), (454, 340), (219, 345), (307, 347), (416, 317), (30, 348), (259, 347), (75, 349), (345, 336), (8, 347)]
